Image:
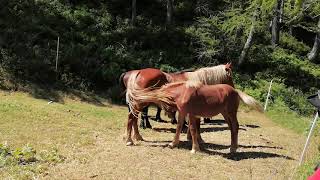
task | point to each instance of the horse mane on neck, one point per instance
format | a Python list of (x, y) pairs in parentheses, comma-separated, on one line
[(193, 84), (209, 75), (184, 71)]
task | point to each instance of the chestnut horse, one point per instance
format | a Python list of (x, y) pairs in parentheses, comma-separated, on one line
[(209, 75), (144, 78), (193, 100), (220, 74), (148, 77)]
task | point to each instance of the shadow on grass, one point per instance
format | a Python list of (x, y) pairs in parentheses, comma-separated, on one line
[(206, 129), (211, 149), (56, 94)]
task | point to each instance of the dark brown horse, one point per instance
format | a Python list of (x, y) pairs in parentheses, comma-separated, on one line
[(193, 100), (144, 78)]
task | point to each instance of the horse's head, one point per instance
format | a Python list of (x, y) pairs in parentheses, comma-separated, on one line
[(228, 67)]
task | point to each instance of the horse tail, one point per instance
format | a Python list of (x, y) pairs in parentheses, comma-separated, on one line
[(135, 95), (250, 101), (122, 85)]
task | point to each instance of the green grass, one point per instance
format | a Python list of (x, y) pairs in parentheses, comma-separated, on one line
[(48, 127), (299, 124), (68, 129), (307, 168), (290, 120)]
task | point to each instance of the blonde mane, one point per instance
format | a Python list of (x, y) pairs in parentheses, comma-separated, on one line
[(208, 75)]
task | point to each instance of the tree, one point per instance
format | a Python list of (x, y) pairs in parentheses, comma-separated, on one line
[(169, 11), (250, 36), (316, 46), (134, 12), (275, 28)]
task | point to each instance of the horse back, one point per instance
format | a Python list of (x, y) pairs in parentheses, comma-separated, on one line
[(218, 91), (151, 77)]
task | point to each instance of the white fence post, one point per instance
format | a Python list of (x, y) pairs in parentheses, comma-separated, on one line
[(266, 103), (57, 57), (308, 138)]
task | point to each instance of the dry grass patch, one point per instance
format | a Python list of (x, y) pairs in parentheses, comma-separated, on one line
[(90, 139)]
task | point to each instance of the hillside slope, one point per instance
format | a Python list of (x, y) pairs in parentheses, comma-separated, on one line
[(89, 136)]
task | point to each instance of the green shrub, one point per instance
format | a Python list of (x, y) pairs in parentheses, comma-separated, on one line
[(289, 42)]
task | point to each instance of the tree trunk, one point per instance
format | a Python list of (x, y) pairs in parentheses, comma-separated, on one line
[(275, 29), (250, 37), (316, 46), (247, 45), (134, 12), (281, 11), (292, 9), (169, 11)]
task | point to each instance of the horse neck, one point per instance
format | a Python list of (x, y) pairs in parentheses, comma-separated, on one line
[(210, 77), (176, 77)]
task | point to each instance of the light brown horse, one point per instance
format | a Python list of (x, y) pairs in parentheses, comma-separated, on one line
[(148, 77), (220, 74), (193, 100), (209, 75)]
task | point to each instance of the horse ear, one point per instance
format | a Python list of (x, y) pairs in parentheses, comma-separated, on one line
[(228, 66)]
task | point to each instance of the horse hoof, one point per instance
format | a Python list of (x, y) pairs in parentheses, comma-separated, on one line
[(129, 143), (193, 151), (171, 145), (139, 138), (206, 120), (148, 126), (159, 120), (173, 122), (233, 150), (142, 126)]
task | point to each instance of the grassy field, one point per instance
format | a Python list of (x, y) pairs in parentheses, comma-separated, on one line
[(87, 139)]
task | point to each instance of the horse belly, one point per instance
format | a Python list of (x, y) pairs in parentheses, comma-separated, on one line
[(204, 108)]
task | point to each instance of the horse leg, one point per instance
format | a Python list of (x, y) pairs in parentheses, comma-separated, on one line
[(198, 130), (173, 118), (206, 120), (189, 137), (131, 118), (176, 139), (194, 134), (185, 127), (229, 118), (158, 117), (136, 133), (234, 132), (144, 119)]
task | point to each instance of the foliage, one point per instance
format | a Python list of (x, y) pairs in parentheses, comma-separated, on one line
[(27, 155), (291, 43), (27, 160)]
